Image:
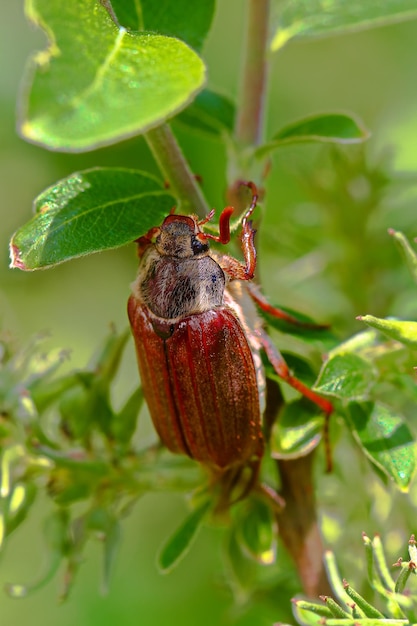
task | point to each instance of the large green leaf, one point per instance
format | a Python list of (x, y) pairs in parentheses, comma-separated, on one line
[(386, 440), (319, 18), (98, 83), (338, 128), (166, 17), (87, 212), (346, 376)]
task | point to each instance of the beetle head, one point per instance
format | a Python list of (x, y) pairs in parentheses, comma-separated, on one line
[(180, 236)]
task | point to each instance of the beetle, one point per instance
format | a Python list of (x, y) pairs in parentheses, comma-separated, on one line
[(198, 340)]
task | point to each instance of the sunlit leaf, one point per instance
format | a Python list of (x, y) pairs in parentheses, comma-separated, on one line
[(167, 18), (98, 83), (402, 331), (338, 128), (386, 440), (180, 542), (346, 376), (87, 212), (297, 432), (319, 18)]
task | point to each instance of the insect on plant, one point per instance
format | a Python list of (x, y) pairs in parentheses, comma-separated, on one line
[(198, 341)]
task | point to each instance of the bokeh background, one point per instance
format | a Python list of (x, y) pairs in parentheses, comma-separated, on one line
[(324, 249)]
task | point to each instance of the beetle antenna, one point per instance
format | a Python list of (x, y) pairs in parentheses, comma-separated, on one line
[(207, 218)]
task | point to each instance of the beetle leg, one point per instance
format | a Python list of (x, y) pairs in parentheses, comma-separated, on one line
[(281, 368), (234, 268), (224, 225), (146, 240), (248, 232), (263, 304)]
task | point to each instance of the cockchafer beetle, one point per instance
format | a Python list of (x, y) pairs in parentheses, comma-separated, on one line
[(198, 340)]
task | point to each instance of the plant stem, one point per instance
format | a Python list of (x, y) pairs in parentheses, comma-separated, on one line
[(174, 167), (250, 118), (298, 524)]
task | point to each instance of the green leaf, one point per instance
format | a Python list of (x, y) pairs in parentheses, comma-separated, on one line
[(303, 327), (97, 83), (209, 113), (404, 332), (257, 532), (124, 425), (297, 432), (341, 128), (180, 542), (346, 376), (241, 569), (385, 439), (56, 536), (88, 212), (407, 251), (167, 18), (315, 18)]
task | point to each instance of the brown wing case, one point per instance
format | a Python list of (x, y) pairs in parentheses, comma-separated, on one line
[(200, 383)]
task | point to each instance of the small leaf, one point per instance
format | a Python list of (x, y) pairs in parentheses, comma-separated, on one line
[(167, 18), (111, 549), (338, 128), (97, 83), (404, 332), (241, 569), (55, 532), (257, 532), (346, 376), (407, 251), (386, 440), (124, 424), (87, 212), (180, 542), (299, 366), (303, 327), (313, 18), (209, 113), (297, 432)]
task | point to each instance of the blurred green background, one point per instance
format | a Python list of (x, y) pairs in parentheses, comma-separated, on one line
[(324, 249)]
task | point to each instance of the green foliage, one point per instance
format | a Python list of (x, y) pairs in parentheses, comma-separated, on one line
[(130, 81), (327, 128), (88, 212), (398, 604), (63, 434), (142, 65), (167, 18), (303, 18)]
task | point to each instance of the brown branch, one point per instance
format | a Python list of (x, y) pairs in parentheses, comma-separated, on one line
[(298, 524)]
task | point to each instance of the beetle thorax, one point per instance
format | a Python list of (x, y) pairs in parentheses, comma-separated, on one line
[(177, 276)]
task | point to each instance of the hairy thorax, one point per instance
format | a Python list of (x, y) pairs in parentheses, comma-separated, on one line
[(173, 287)]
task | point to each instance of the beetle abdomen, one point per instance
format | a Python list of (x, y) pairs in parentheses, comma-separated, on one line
[(200, 385)]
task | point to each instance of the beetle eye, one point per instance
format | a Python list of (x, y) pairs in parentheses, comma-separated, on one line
[(198, 246)]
